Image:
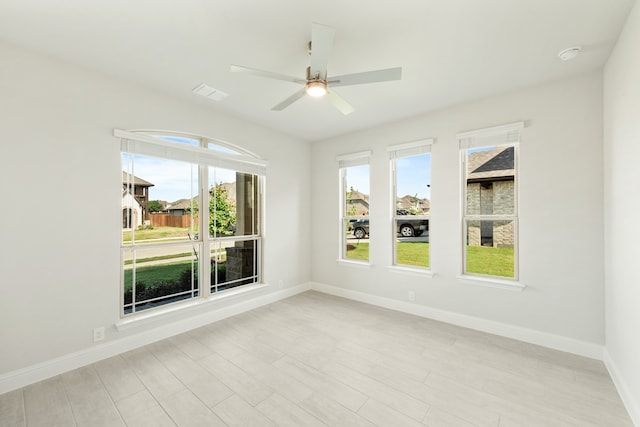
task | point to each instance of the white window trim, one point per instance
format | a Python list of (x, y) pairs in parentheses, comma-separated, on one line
[(226, 144), (397, 151), (493, 136), (202, 158), (411, 271), (406, 149), (152, 316), (354, 263), (149, 146), (360, 158), (354, 159), (491, 282), (508, 134)]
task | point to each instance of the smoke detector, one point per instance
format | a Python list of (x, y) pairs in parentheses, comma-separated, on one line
[(569, 53)]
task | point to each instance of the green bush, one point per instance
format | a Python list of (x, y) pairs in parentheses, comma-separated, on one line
[(162, 288), (168, 280)]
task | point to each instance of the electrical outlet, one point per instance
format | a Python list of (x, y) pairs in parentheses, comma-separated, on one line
[(412, 296), (98, 334), (280, 284)]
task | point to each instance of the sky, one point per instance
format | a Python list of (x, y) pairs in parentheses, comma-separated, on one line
[(172, 180), (175, 180), (413, 177)]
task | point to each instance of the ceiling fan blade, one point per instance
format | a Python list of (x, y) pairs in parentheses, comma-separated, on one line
[(339, 102), (266, 74), (366, 77), (290, 100), (321, 41)]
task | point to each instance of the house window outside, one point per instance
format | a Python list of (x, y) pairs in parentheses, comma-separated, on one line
[(490, 201), (162, 239), (354, 206), (411, 204)]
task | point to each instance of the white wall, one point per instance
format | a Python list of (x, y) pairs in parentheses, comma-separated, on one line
[(60, 224), (61, 191), (622, 204), (561, 218)]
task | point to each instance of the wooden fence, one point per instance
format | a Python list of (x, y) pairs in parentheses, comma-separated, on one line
[(167, 220)]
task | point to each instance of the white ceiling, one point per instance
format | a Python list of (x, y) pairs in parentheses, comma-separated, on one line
[(451, 51)]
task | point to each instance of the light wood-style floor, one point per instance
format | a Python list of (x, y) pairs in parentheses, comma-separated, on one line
[(316, 360)]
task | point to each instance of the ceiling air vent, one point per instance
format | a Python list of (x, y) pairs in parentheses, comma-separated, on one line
[(210, 92)]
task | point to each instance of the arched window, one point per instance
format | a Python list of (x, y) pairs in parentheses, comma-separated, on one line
[(200, 233)]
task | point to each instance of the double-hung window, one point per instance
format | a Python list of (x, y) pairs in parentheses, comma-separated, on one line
[(411, 202), (490, 201), (191, 219), (354, 206)]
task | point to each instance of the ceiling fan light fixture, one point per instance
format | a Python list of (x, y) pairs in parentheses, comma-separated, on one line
[(316, 88)]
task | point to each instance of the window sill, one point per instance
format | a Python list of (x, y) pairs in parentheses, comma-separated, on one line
[(152, 316), (357, 264), (410, 271), (492, 282)]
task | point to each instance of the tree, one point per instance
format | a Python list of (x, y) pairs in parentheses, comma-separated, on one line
[(351, 207), (155, 206), (415, 208), (222, 213)]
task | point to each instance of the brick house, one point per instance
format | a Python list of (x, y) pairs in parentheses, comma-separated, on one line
[(491, 191)]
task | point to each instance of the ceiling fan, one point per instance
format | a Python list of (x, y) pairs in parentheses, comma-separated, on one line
[(317, 83)]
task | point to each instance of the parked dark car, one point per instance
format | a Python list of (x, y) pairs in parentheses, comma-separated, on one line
[(405, 227)]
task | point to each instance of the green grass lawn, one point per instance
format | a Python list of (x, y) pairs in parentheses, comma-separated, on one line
[(408, 253), (412, 253), (480, 259), (157, 233), (157, 273), (360, 251), (490, 261)]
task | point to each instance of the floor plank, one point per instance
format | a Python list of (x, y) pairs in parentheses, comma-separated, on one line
[(46, 404), (12, 409)]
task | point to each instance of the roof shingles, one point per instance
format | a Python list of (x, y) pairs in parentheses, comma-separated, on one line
[(498, 162)]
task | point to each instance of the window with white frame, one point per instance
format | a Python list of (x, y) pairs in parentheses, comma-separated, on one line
[(354, 206), (166, 235), (411, 202), (490, 201)]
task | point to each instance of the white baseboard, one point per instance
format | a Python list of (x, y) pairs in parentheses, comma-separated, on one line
[(570, 345), (630, 401), (41, 371), (50, 368)]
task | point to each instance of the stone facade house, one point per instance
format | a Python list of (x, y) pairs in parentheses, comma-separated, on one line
[(491, 191)]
